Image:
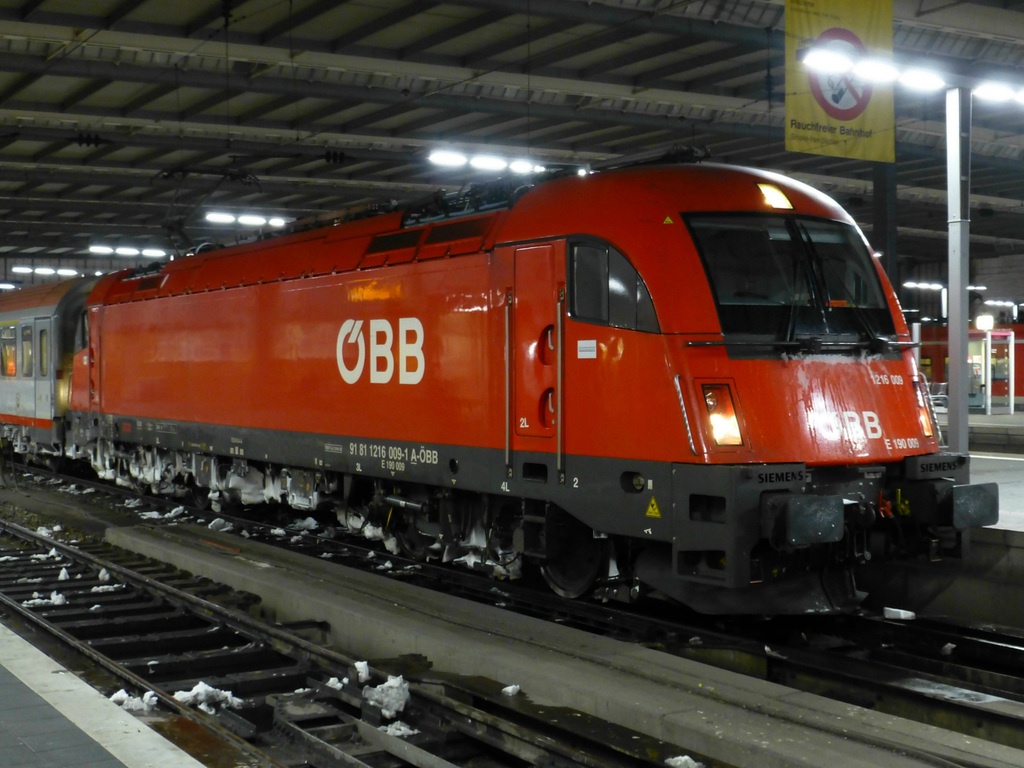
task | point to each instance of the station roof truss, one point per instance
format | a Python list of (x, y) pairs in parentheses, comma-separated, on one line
[(127, 120)]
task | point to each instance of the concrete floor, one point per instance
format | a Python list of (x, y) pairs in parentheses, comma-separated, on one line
[(1008, 471)]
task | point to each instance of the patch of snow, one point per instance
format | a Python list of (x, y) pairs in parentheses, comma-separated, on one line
[(55, 598), (363, 670), (107, 588), (336, 684), (151, 515), (308, 524), (104, 575), (470, 559), (176, 512), (64, 575), (278, 532), (683, 761), (220, 524), (510, 690), (26, 580), (42, 530), (390, 696), (147, 702), (207, 698), (399, 729)]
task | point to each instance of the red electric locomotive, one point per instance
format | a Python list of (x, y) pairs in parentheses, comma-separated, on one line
[(694, 378)]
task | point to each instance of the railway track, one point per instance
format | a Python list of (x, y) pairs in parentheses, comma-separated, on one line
[(964, 679), (193, 648)]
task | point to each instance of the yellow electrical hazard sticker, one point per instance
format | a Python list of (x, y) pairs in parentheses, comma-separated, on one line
[(668, 220), (652, 509)]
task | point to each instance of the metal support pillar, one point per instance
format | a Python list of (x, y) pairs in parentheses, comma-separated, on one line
[(883, 225), (958, 186)]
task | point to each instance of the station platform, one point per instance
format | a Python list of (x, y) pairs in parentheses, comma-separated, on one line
[(998, 433), (49, 718)]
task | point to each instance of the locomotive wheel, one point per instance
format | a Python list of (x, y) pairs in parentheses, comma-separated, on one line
[(414, 545), (574, 557)]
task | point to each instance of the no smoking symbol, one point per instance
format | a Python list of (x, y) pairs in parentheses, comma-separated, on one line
[(842, 96)]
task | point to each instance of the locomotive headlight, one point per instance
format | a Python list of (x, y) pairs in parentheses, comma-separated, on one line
[(725, 426), (775, 197)]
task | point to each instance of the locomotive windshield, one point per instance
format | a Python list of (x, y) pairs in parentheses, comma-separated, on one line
[(797, 280)]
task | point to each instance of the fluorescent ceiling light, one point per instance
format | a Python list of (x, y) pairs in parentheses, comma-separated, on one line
[(102, 249), (827, 60), (65, 272), (125, 250), (977, 287), (154, 253), (220, 218), (921, 80), (876, 70), (520, 166), (994, 92), (22, 270), (277, 221), (488, 163), (447, 158), (7, 286), (251, 220), (45, 271)]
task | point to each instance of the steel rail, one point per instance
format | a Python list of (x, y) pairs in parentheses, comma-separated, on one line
[(526, 743)]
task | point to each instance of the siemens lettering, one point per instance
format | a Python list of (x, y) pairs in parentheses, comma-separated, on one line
[(382, 360), (781, 477)]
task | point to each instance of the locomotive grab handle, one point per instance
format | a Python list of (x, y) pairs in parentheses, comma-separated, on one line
[(508, 383), (559, 319)]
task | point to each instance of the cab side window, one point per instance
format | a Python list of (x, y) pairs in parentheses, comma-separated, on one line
[(8, 351), (607, 290), (26, 350)]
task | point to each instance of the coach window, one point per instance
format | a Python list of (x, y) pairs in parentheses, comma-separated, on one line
[(44, 353), (26, 350), (8, 351), (607, 290)]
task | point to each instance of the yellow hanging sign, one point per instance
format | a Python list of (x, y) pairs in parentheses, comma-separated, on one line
[(839, 115)]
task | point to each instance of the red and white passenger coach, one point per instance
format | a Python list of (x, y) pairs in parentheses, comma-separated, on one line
[(688, 378)]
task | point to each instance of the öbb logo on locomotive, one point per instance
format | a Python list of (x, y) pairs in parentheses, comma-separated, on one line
[(410, 348), (688, 380)]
